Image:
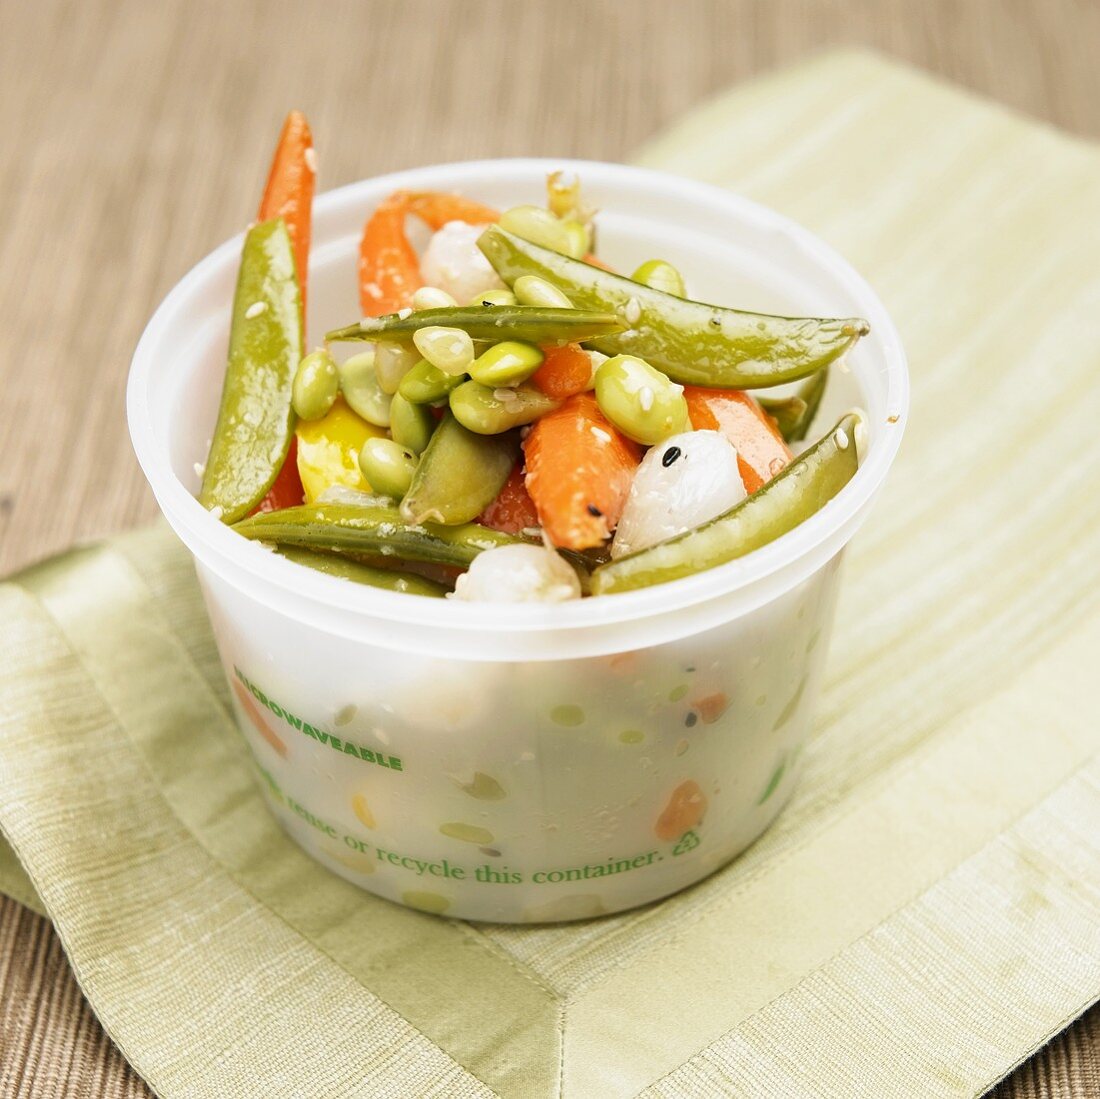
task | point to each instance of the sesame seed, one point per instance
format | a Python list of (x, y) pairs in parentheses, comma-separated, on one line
[(403, 313), (633, 311), (199, 469), (645, 398), (600, 434), (670, 456), (594, 511), (310, 158), (255, 309), (216, 511), (842, 439)]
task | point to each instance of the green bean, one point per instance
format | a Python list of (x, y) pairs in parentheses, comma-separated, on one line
[(411, 424), (507, 363), (316, 385), (531, 290), (387, 466), (392, 361), (661, 275), (640, 401), (690, 342), (347, 569), (359, 531), (789, 498), (361, 389), (459, 474), (532, 324), (431, 297), (448, 349), (494, 297), (537, 224), (793, 415), (489, 411), (256, 417), (426, 384)]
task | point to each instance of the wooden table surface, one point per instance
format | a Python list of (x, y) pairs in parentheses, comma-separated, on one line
[(134, 134)]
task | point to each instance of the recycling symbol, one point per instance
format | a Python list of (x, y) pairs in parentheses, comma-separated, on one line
[(687, 842)]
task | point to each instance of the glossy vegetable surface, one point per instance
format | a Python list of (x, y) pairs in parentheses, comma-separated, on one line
[(489, 411), (459, 474), (255, 420), (347, 569), (693, 343), (794, 415), (802, 489), (365, 531), (529, 323)]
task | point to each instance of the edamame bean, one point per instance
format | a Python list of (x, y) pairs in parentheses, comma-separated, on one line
[(578, 238), (359, 384), (425, 384), (507, 363), (392, 361), (411, 424), (316, 384), (661, 275), (640, 401), (387, 466), (494, 297), (531, 290), (448, 349), (488, 411), (538, 225), (431, 297)]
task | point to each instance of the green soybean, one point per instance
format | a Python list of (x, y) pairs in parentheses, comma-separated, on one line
[(360, 386), (316, 384), (449, 349), (431, 297), (426, 384), (489, 411), (387, 466), (640, 401), (459, 474), (538, 225), (507, 363), (531, 290), (410, 424), (661, 275), (494, 297), (392, 361)]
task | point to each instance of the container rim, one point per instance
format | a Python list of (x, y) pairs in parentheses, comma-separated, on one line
[(217, 545)]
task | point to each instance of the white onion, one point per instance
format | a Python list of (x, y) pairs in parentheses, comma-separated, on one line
[(518, 574), (454, 263)]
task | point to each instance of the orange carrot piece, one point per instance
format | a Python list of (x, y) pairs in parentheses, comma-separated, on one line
[(513, 510), (761, 452), (389, 270), (289, 195), (579, 470), (436, 208), (565, 370), (289, 191)]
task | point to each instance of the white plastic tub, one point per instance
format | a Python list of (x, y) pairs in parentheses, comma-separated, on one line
[(521, 763)]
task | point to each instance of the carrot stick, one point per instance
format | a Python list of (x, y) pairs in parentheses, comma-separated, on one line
[(761, 452), (389, 270), (289, 191), (579, 470), (513, 510), (289, 195), (565, 370), (436, 208)]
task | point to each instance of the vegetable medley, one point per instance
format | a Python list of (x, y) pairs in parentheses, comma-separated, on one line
[(518, 422)]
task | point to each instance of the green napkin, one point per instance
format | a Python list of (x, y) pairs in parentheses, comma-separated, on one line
[(924, 915)]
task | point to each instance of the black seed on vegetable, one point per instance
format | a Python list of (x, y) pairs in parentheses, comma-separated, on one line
[(691, 719), (670, 456), (594, 511)]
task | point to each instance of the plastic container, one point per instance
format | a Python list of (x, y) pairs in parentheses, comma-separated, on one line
[(517, 763)]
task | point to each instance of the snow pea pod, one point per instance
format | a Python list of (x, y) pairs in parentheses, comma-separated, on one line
[(459, 474), (357, 531), (256, 418), (689, 341), (528, 323), (793, 415), (347, 569), (802, 489)]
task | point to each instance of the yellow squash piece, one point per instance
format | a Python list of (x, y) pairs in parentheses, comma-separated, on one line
[(328, 450)]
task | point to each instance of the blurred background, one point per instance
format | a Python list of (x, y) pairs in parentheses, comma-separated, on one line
[(136, 136)]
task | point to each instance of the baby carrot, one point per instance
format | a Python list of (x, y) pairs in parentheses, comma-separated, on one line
[(579, 469), (389, 271), (513, 510), (565, 370), (761, 452), (436, 208)]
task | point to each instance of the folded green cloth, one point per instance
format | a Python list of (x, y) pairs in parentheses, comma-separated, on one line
[(924, 915)]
